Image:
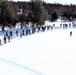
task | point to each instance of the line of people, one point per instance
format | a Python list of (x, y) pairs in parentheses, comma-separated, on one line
[(9, 35)]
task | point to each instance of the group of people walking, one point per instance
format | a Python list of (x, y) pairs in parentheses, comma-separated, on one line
[(9, 34), (28, 31)]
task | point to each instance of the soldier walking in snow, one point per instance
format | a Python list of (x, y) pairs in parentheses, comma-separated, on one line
[(27, 31), (11, 33), (51, 27), (33, 30), (21, 34), (48, 27), (17, 33), (4, 39), (9, 38), (6, 34), (0, 41), (70, 33), (38, 28)]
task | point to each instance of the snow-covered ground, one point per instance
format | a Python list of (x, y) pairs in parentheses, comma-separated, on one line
[(45, 53)]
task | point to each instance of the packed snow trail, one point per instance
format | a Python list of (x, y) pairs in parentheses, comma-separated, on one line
[(35, 72)]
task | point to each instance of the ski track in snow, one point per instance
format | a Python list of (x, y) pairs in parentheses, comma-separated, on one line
[(21, 67), (30, 70)]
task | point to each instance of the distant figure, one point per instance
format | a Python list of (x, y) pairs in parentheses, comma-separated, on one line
[(11, 33), (51, 27), (38, 28), (4, 39), (21, 34), (70, 33), (0, 41), (29, 32), (43, 28), (33, 30), (9, 38), (6, 34), (17, 33)]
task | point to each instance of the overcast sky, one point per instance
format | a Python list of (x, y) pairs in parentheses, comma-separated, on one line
[(56, 1)]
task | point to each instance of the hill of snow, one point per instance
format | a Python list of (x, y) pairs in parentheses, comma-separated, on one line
[(44, 53)]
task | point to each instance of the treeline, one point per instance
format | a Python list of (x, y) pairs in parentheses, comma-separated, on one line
[(35, 11), (67, 12)]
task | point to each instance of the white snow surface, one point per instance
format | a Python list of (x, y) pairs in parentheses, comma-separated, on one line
[(45, 53)]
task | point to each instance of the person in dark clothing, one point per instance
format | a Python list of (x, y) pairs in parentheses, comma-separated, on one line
[(44, 28), (9, 38), (29, 32), (26, 31), (21, 34), (6, 34), (4, 39), (17, 33), (70, 33), (48, 27), (51, 27), (11, 33), (38, 28), (0, 41), (33, 30)]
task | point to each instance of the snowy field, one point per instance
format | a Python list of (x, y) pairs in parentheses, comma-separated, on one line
[(45, 53)]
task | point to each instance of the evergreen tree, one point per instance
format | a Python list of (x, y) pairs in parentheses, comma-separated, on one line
[(54, 16), (7, 15), (39, 12), (22, 18)]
